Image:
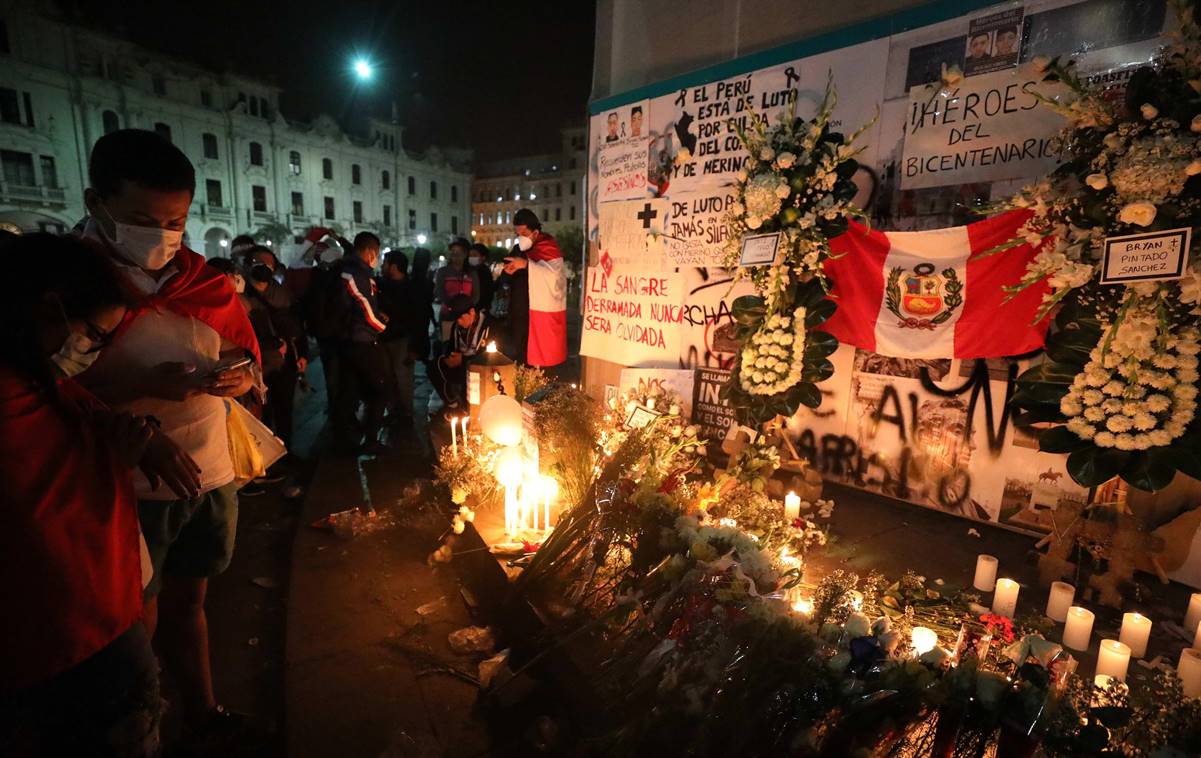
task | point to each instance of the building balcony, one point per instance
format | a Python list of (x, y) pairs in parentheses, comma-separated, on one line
[(25, 194), (262, 217), (216, 213)]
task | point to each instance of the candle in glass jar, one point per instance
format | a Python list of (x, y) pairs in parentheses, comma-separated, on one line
[(1005, 602), (1189, 671), (1136, 630), (1060, 599), (1114, 659), (986, 573), (1193, 615), (792, 507), (1079, 629)]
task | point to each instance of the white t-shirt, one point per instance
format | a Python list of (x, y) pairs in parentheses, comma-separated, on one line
[(198, 424)]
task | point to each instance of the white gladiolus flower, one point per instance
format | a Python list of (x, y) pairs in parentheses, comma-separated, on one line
[(1140, 214), (785, 160), (783, 191), (766, 154)]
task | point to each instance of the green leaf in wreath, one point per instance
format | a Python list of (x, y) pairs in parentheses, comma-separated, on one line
[(749, 311), (1061, 440), (818, 372), (806, 394), (819, 344), (1050, 372), (1184, 455), (1093, 466), (820, 313), (810, 294), (1039, 395), (1148, 472)]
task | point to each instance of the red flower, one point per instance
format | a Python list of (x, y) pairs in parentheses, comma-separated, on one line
[(530, 547), (998, 624)]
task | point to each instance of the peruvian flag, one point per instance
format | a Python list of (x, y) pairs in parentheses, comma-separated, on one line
[(933, 294), (548, 303)]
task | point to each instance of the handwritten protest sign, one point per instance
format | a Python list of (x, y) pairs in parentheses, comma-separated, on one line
[(1156, 256), (622, 169), (713, 414), (987, 128), (633, 316), (628, 229), (653, 380), (697, 231)]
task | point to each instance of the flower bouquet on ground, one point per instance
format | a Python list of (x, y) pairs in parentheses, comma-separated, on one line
[(1119, 382)]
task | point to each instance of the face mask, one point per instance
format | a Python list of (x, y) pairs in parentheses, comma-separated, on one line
[(474, 260), (525, 243), (148, 247), (76, 355), (239, 283)]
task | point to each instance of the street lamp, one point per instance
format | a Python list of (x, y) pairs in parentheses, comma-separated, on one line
[(363, 69), (421, 238)]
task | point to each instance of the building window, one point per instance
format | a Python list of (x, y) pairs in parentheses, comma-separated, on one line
[(18, 167), (49, 174), (210, 145), (327, 168), (433, 222), (159, 85), (454, 193), (162, 130), (385, 180), (454, 224), (412, 219), (212, 191), (558, 214), (387, 215), (357, 208), (573, 188), (434, 192), (558, 189), (294, 163), (258, 197), (110, 121), (256, 154), (254, 105), (571, 163), (4, 47), (297, 203), (206, 98), (10, 108), (329, 208), (571, 213), (356, 174)]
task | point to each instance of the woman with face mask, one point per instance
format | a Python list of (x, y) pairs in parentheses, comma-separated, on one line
[(77, 674)]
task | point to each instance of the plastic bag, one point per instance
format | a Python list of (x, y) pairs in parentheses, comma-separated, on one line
[(243, 449)]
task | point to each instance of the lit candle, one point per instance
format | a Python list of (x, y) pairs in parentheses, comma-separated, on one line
[(1189, 671), (986, 573), (1005, 602), (1197, 638), (792, 507), (1060, 599), (1113, 659), (1079, 630), (1194, 612), (1136, 629), (802, 606), (856, 598), (465, 420), (924, 640), (454, 435), (650, 403)]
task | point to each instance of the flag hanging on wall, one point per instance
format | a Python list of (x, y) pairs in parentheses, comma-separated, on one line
[(934, 294)]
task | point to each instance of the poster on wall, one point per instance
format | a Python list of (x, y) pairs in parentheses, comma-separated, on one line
[(696, 232), (627, 228), (678, 382), (632, 315)]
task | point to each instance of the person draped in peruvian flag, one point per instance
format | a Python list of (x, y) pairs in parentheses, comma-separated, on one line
[(538, 296), (182, 350)]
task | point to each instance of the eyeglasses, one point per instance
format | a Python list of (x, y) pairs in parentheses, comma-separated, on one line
[(99, 338)]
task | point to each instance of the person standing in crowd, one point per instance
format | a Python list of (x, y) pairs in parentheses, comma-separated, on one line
[(325, 317), (184, 350), (366, 375), (77, 673), (423, 289), (467, 338), (454, 279), (538, 295), (400, 304), (238, 247), (477, 263)]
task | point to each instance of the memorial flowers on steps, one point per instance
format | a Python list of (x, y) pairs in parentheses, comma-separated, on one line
[(1119, 382)]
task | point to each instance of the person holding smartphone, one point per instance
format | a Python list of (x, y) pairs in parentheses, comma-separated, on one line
[(178, 355)]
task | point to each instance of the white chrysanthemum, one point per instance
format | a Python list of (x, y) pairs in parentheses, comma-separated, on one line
[(1118, 424), (1139, 214), (785, 160), (1104, 439)]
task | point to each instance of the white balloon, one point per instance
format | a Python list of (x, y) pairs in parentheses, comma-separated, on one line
[(500, 418)]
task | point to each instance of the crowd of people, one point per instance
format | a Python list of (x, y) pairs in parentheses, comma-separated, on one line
[(122, 354)]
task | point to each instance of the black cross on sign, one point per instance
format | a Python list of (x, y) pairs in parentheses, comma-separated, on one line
[(646, 214)]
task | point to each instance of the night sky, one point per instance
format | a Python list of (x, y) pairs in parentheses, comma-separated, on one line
[(499, 77)]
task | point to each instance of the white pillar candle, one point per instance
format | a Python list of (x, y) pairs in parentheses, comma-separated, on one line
[(1113, 659), (1189, 671), (924, 640), (465, 420), (1197, 638), (1005, 602), (986, 573), (1136, 630), (1060, 599), (454, 435), (792, 507), (1193, 615), (1079, 629)]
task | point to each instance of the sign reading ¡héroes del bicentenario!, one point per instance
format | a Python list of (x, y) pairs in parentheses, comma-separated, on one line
[(1154, 256)]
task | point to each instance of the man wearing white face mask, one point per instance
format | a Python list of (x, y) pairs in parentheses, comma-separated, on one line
[(538, 295), (172, 358)]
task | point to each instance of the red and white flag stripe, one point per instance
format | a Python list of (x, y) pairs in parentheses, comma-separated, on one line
[(934, 294), (548, 305)]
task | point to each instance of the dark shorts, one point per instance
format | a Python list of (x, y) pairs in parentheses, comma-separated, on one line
[(107, 706), (193, 538)]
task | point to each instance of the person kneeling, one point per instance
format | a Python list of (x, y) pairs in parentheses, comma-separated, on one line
[(467, 337)]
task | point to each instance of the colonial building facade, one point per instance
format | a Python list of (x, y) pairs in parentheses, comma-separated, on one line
[(62, 87), (551, 185)]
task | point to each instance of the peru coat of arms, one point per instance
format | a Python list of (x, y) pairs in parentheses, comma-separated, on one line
[(921, 298)]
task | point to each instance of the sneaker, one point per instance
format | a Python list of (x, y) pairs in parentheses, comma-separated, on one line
[(252, 490), (270, 478)]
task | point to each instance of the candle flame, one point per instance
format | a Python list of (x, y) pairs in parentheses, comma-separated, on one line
[(490, 347)]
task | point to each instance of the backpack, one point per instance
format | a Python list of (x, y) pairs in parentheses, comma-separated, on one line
[(327, 311)]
